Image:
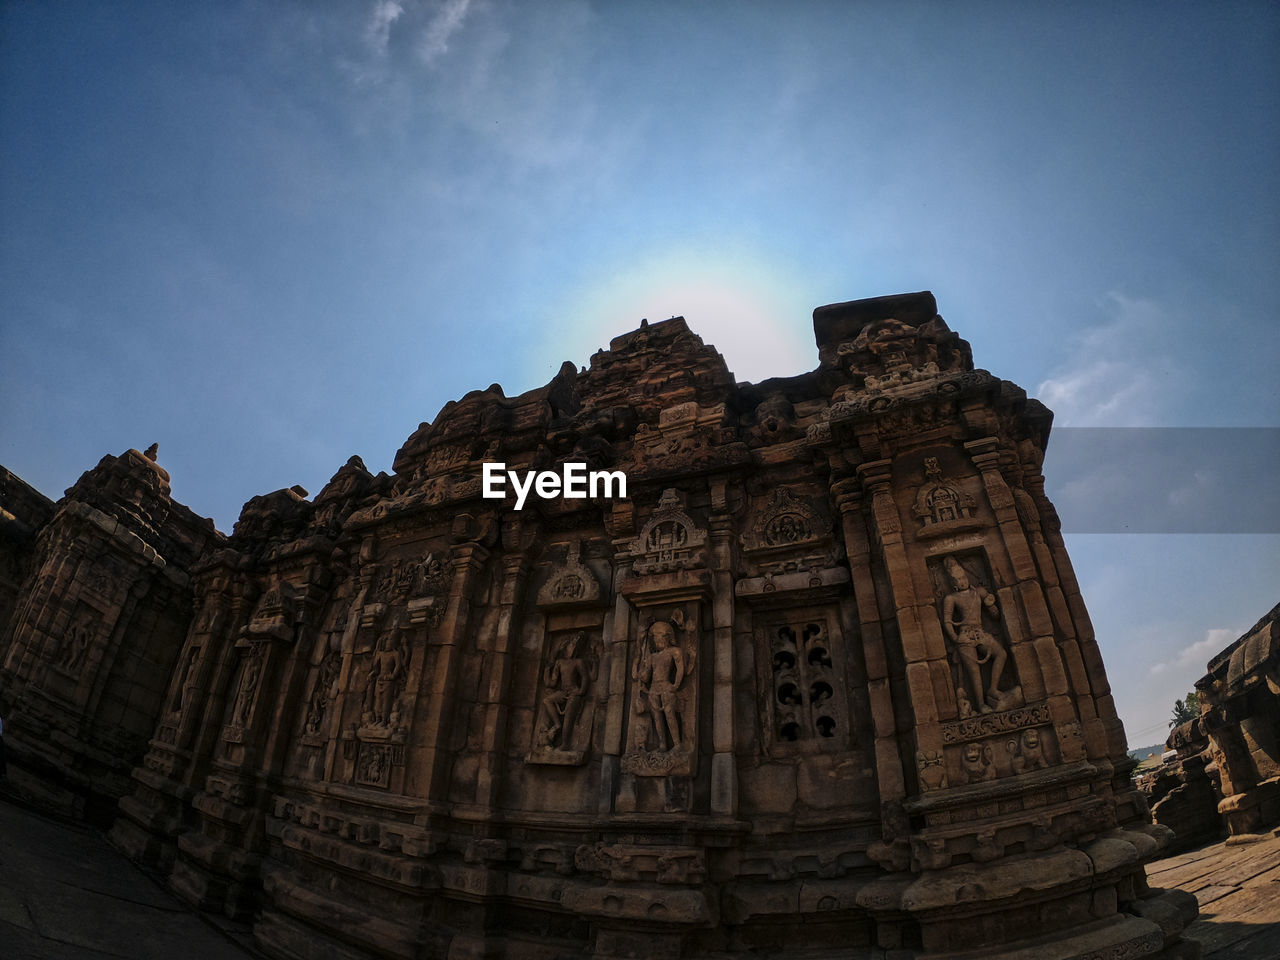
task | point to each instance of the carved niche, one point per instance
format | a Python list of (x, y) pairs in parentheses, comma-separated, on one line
[(566, 710), (184, 693), (381, 708), (982, 669), (325, 688), (572, 600), (662, 732), (380, 684), (324, 693), (248, 679), (70, 652)]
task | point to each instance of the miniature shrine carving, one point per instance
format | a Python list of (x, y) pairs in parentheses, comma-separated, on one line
[(572, 583), (941, 506), (669, 540)]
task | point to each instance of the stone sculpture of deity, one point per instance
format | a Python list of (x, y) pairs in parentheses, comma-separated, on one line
[(384, 678), (962, 622), (250, 674), (184, 695), (659, 673), (565, 681)]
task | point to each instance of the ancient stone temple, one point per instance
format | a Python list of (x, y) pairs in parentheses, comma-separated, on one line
[(23, 511), (821, 684), (92, 638)]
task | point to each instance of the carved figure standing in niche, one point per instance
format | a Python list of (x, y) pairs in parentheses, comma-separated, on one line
[(249, 677), (324, 692), (962, 623), (186, 690), (384, 677), (565, 681), (660, 673), (73, 654)]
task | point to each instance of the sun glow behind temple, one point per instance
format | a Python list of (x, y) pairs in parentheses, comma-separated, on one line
[(747, 309)]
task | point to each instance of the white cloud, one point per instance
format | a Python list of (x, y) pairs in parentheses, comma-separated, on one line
[(444, 23), (377, 31), (1112, 378), (1199, 653)]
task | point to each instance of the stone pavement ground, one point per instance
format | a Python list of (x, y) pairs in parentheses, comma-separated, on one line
[(1238, 889), (67, 894)]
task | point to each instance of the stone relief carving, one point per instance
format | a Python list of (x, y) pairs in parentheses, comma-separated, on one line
[(940, 506), (249, 678), (374, 766), (785, 522), (670, 540), (573, 583), (978, 765), (566, 679), (70, 654), (385, 680), (932, 770), (989, 724), (401, 579), (324, 693), (663, 700), (274, 615), (185, 693), (974, 649), (1027, 752)]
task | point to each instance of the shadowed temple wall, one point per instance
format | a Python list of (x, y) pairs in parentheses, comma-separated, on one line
[(821, 685)]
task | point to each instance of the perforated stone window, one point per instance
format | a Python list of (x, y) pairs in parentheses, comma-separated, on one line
[(805, 691)]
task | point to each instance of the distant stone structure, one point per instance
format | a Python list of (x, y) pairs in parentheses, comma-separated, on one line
[(822, 685), (1224, 776), (1184, 792), (91, 644), (1240, 712), (23, 511)]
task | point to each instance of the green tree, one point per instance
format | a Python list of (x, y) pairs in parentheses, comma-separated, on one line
[(1184, 710)]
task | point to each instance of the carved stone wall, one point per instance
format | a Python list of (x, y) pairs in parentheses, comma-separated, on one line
[(23, 512), (1183, 791), (93, 640), (1240, 711), (822, 685)]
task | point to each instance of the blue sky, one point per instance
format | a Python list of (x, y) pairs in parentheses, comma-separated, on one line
[(269, 235)]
